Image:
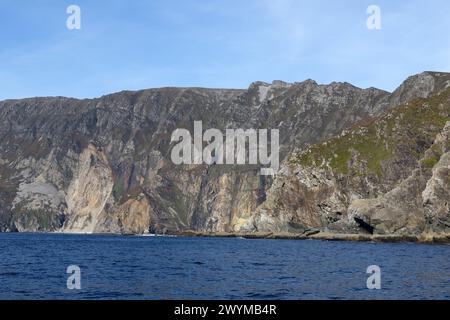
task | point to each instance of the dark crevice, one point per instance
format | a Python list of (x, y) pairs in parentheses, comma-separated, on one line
[(367, 227)]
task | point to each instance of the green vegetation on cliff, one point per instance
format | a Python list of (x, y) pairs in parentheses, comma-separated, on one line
[(407, 130)]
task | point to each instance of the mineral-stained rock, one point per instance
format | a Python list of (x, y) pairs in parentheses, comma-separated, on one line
[(367, 165), (387, 176), (89, 191), (436, 195)]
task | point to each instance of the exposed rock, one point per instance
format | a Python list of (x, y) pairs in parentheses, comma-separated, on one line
[(88, 192), (436, 196), (103, 165), (387, 176)]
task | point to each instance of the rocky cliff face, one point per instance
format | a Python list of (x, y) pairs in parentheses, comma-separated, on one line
[(385, 175), (354, 160)]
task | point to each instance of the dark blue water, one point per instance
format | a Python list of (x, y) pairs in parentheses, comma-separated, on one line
[(33, 266)]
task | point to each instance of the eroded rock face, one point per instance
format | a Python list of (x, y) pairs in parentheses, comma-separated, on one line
[(436, 196), (88, 192), (419, 203), (389, 176), (103, 165)]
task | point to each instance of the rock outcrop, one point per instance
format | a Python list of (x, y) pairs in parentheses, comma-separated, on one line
[(387, 175), (353, 161)]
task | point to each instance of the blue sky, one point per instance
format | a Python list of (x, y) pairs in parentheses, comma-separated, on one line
[(138, 44)]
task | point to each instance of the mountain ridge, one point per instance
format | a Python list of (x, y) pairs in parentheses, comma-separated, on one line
[(101, 165)]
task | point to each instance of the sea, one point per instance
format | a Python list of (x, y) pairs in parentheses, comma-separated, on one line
[(106, 267)]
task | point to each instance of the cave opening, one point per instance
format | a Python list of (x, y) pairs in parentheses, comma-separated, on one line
[(364, 225)]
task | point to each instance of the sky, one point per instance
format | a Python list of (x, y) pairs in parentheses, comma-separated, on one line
[(137, 44)]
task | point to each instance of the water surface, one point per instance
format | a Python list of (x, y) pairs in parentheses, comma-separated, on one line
[(33, 266)]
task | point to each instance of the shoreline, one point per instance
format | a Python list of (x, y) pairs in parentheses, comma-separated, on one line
[(426, 238), (324, 236)]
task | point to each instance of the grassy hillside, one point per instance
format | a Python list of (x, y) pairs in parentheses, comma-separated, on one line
[(406, 131)]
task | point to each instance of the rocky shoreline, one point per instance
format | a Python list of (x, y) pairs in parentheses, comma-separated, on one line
[(425, 238), (325, 236)]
